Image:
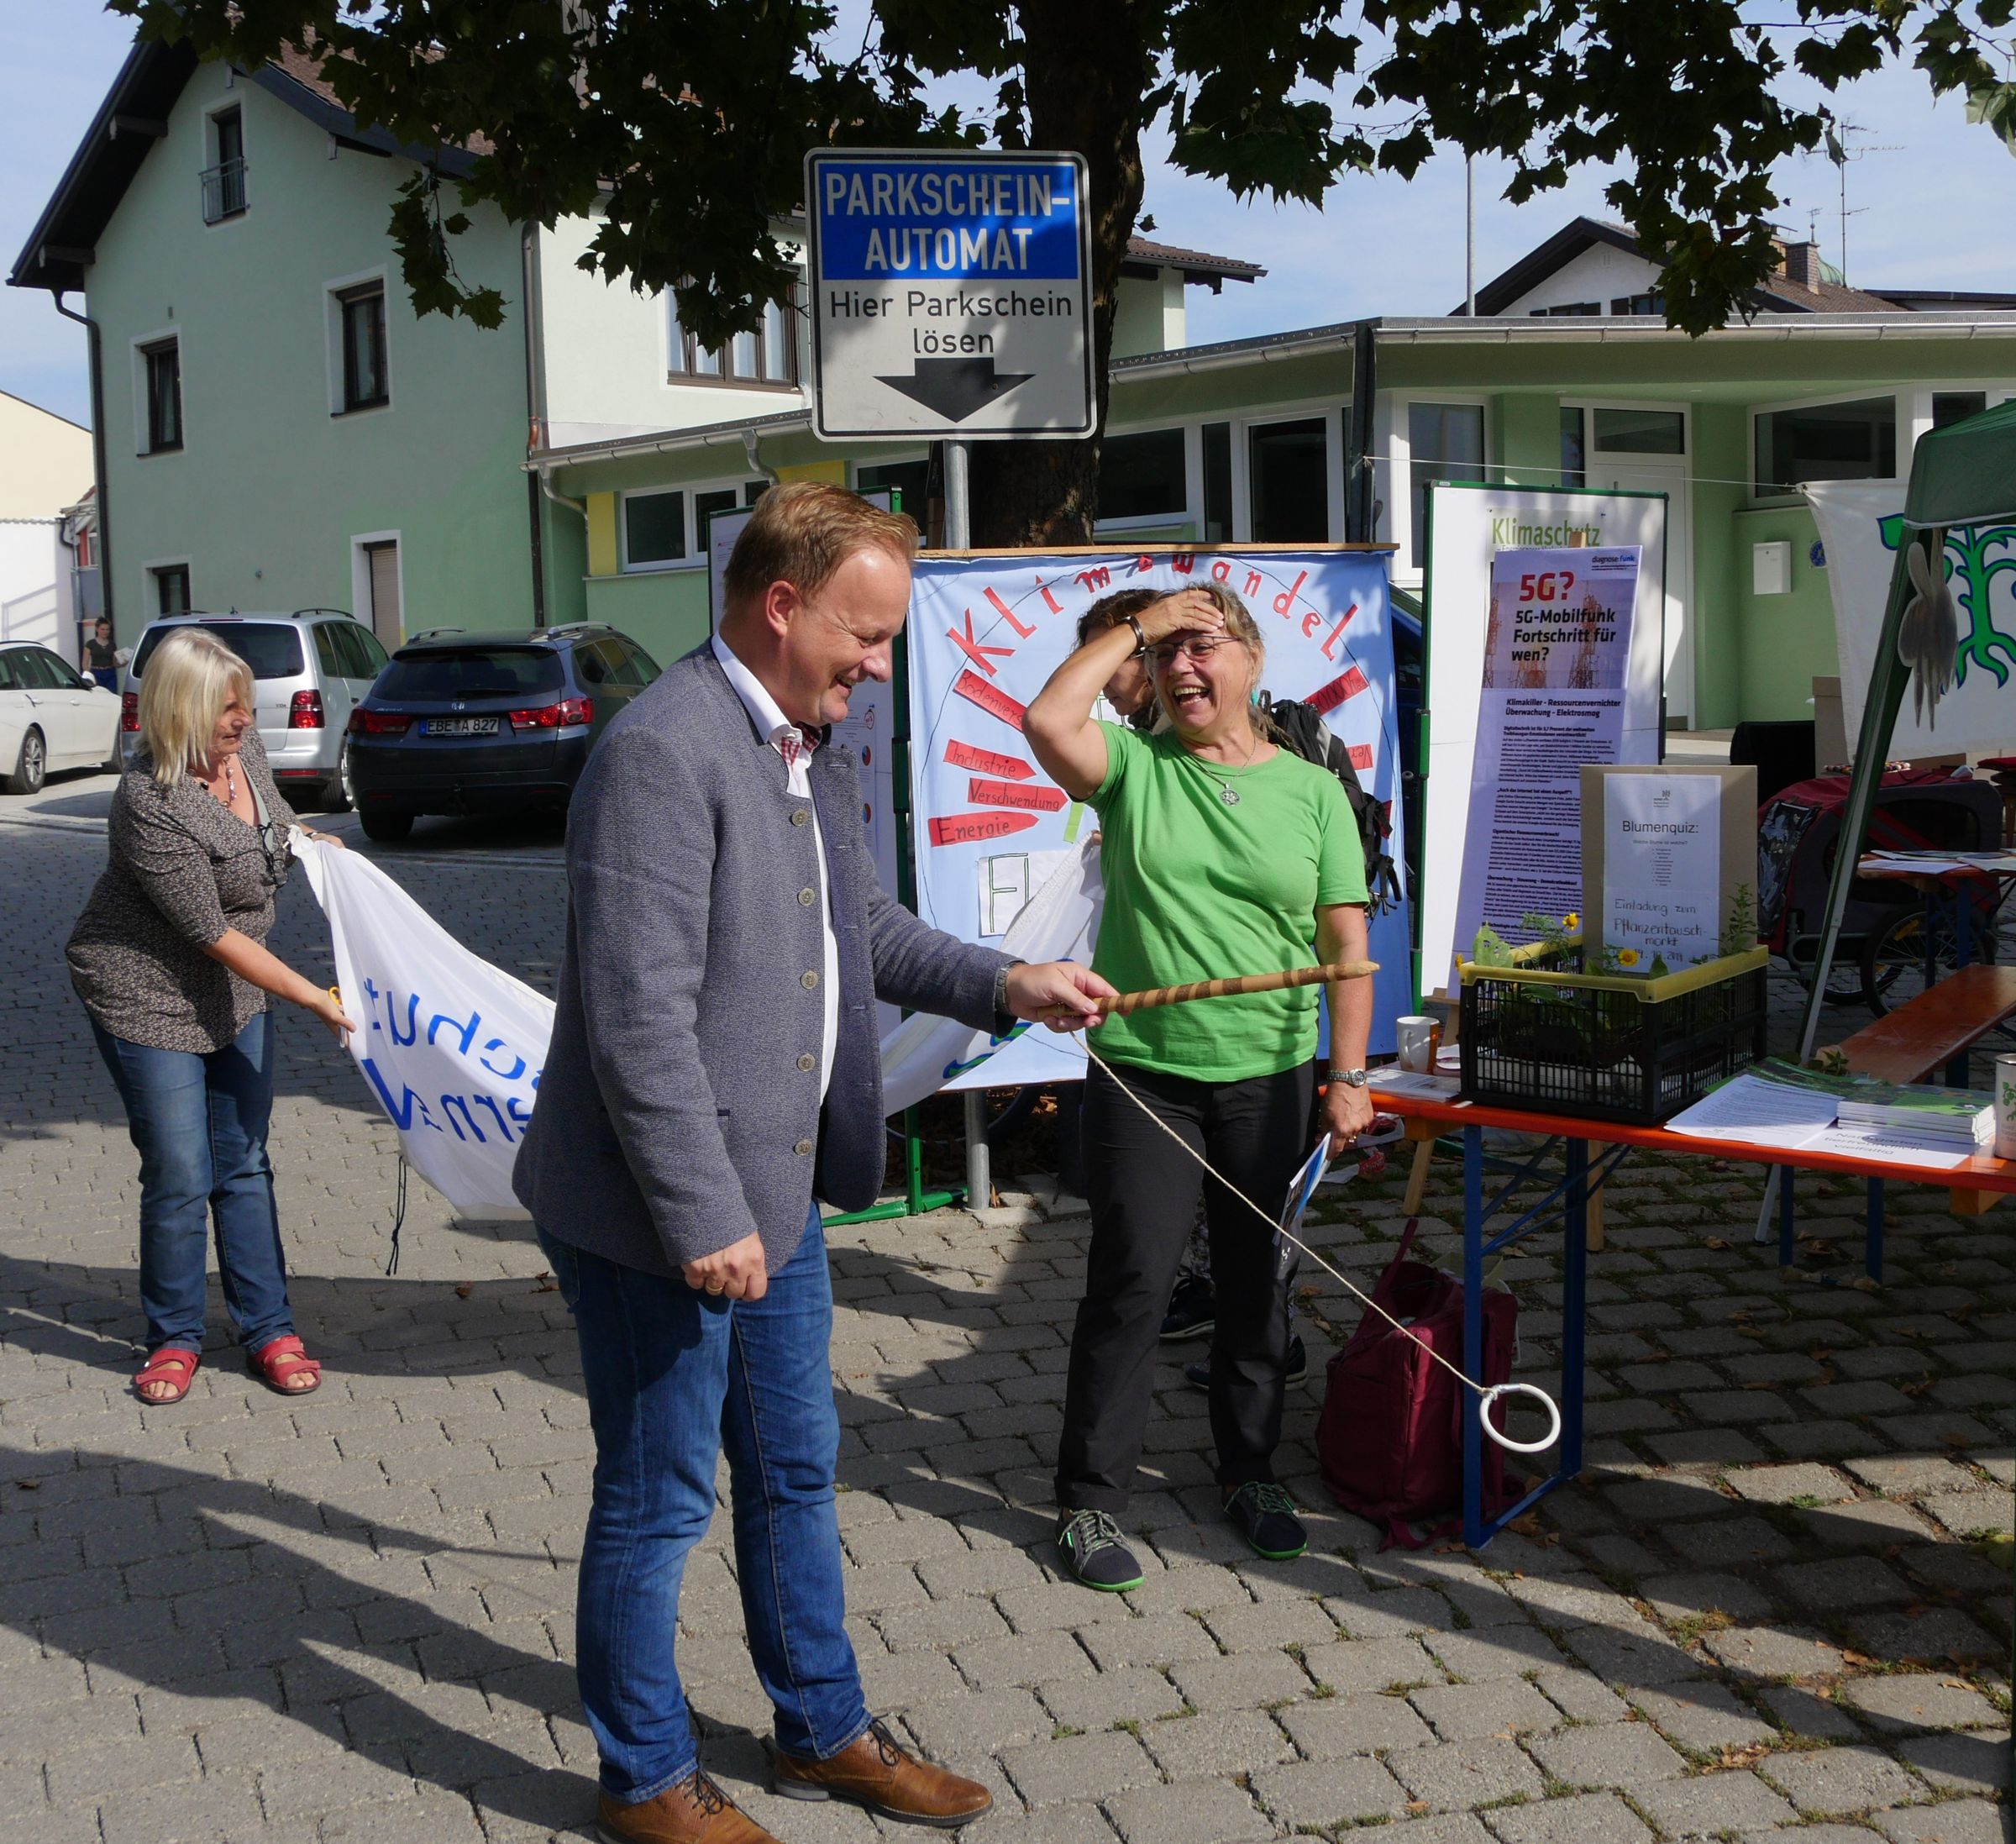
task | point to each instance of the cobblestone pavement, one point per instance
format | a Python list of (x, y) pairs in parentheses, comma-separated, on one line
[(1767, 1609)]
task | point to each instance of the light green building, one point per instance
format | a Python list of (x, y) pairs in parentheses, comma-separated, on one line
[(278, 429)]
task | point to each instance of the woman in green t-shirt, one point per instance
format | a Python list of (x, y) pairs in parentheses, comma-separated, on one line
[(1222, 853)]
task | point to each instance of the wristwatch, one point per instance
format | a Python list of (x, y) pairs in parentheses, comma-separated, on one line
[(1351, 1078), (1000, 986)]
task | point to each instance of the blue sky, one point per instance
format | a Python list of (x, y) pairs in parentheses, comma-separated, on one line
[(1934, 213)]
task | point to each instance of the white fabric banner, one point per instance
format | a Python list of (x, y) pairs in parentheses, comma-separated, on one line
[(986, 632), (1861, 524), (451, 1047)]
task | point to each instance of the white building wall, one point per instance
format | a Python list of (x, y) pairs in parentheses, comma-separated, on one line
[(1600, 274), (605, 353), (31, 563)]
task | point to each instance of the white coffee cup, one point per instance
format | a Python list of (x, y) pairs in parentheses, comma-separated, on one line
[(2005, 1107), (1416, 1044)]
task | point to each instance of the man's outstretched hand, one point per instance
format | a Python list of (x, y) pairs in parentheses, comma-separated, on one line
[(1057, 993), (734, 1272)]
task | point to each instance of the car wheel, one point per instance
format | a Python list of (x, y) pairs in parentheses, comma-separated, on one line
[(339, 795), (387, 828), (114, 764), (31, 769)]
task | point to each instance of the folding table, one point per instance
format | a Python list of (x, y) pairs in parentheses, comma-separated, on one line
[(1972, 1187)]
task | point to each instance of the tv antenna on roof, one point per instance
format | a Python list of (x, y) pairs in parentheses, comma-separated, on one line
[(1840, 151)]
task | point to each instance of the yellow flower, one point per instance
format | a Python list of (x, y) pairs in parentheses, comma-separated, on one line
[(1571, 921), (1627, 957)]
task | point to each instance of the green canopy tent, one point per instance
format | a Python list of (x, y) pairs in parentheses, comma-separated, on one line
[(1964, 475), (1961, 476)]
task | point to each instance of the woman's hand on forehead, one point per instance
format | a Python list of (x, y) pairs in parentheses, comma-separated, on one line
[(1187, 611)]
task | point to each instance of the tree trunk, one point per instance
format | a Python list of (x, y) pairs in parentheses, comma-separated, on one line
[(1087, 69)]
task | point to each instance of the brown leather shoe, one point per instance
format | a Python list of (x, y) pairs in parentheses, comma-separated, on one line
[(695, 1811), (891, 1783)]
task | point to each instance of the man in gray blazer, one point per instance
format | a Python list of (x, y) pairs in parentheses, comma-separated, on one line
[(714, 1068)]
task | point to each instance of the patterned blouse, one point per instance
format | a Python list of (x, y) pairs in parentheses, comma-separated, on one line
[(183, 869)]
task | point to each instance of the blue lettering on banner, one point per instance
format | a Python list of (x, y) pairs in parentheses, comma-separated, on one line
[(1013, 219), (460, 1112)]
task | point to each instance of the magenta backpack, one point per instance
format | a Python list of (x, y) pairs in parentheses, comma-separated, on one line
[(1390, 1441)]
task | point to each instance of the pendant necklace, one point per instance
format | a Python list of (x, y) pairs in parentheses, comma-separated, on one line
[(1226, 791)]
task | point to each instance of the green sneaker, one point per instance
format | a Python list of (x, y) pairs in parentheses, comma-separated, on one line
[(1265, 1516), (1091, 1547)]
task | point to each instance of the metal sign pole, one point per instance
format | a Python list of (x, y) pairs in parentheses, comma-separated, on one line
[(959, 535)]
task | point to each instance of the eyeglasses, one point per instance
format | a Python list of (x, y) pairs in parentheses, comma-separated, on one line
[(1200, 646)]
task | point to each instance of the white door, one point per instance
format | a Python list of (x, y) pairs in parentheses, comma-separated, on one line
[(1665, 474), (62, 707)]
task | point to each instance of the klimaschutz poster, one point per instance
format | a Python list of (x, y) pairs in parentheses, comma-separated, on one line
[(985, 633)]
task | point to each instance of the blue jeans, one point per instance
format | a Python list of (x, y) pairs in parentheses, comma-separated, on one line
[(673, 1375), (199, 1125)]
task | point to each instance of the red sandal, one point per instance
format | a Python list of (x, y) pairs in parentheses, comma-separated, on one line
[(279, 1361), (172, 1366)]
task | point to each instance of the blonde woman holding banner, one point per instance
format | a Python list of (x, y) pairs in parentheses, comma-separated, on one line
[(1222, 853), (171, 961)]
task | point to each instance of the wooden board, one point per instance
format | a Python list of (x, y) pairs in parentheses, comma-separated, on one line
[(1912, 1042)]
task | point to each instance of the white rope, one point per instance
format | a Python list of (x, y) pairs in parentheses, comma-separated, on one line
[(1487, 1393)]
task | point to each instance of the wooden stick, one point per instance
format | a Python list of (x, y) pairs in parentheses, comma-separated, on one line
[(1237, 984)]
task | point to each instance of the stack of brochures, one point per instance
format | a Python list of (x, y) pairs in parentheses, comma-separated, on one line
[(1777, 1104), (1954, 1117)]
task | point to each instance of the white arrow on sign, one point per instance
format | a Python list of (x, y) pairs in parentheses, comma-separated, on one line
[(952, 294)]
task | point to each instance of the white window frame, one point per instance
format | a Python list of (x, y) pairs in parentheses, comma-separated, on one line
[(1190, 512), (1393, 479), (231, 100), (332, 292), (150, 598), (1921, 396), (143, 401), (1664, 406), (1332, 410), (1901, 399), (797, 324), (361, 578), (695, 557)]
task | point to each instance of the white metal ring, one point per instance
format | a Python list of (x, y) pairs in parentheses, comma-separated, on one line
[(1505, 1441)]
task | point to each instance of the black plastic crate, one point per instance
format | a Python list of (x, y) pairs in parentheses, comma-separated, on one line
[(1542, 1035)]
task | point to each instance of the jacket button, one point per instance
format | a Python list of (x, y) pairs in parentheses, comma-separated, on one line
[(806, 898), (803, 1149), (808, 981), (808, 1062), (801, 815)]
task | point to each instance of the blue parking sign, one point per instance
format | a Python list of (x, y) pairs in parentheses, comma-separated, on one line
[(951, 293)]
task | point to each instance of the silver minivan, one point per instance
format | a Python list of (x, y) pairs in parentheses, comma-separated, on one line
[(310, 669)]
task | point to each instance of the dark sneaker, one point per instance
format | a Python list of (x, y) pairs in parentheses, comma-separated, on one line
[(1192, 1310), (1198, 1375), (1265, 1517), (1091, 1545)]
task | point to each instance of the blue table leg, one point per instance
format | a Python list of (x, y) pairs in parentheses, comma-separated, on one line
[(1474, 1333), (1574, 1303), (1787, 1215), (1872, 1249)]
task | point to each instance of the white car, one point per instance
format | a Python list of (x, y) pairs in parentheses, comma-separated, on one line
[(51, 716)]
